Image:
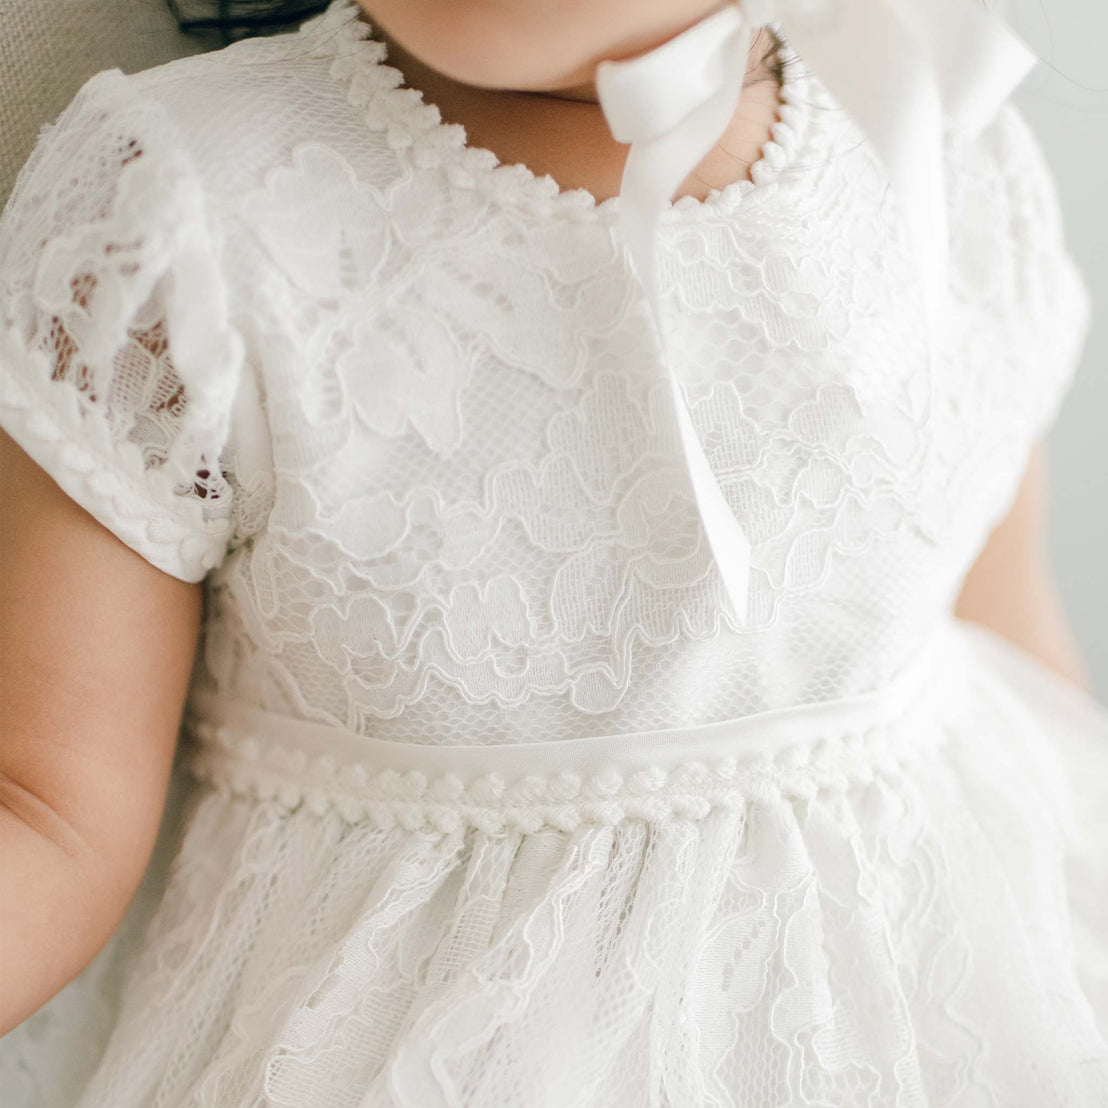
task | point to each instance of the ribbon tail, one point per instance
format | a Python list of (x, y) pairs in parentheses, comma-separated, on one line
[(654, 169), (977, 59), (895, 66), (728, 542), (895, 98), (923, 62), (656, 166)]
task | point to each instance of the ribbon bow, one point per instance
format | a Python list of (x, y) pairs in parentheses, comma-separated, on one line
[(898, 67)]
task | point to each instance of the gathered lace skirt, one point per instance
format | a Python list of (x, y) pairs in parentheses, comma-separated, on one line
[(897, 899)]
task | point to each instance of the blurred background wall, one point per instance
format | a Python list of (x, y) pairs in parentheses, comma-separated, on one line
[(49, 47), (1066, 102)]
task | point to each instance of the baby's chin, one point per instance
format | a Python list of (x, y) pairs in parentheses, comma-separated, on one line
[(530, 45)]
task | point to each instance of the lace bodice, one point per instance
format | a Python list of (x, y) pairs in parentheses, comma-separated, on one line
[(277, 325)]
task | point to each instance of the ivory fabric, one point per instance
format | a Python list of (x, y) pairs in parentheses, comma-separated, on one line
[(275, 324)]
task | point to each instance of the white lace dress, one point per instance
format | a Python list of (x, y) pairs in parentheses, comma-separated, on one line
[(483, 800)]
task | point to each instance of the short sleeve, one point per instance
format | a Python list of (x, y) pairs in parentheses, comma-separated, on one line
[(1046, 297), (119, 370)]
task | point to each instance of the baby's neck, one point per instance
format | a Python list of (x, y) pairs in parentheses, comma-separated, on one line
[(564, 133)]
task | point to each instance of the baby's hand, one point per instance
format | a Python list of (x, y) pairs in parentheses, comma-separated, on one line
[(96, 652)]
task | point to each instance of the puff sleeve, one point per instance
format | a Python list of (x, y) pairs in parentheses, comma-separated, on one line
[(119, 369), (1045, 296)]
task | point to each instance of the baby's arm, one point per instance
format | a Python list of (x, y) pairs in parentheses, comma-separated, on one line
[(1011, 587), (96, 651)]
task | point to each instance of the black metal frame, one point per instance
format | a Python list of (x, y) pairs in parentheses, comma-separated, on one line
[(226, 23)]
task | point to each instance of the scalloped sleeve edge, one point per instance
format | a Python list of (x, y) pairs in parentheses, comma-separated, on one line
[(57, 438)]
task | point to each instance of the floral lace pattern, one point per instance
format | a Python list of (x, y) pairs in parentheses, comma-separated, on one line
[(486, 537), (448, 504)]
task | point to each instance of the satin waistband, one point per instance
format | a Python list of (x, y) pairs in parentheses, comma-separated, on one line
[(217, 716), (684, 771)]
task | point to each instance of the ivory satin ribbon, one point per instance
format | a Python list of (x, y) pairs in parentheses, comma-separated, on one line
[(900, 68)]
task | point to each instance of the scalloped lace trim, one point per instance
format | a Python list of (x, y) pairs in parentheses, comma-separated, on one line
[(416, 126), (247, 765), (85, 462)]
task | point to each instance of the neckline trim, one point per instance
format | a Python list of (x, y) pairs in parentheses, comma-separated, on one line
[(359, 60)]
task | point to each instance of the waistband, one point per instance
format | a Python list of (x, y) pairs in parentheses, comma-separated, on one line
[(672, 773)]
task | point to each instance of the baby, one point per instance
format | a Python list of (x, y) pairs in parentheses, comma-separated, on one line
[(350, 450)]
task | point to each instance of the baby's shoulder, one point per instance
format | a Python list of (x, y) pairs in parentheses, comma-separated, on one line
[(1008, 236), (243, 111), (1003, 183)]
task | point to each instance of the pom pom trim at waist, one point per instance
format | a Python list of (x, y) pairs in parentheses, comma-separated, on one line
[(658, 776)]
